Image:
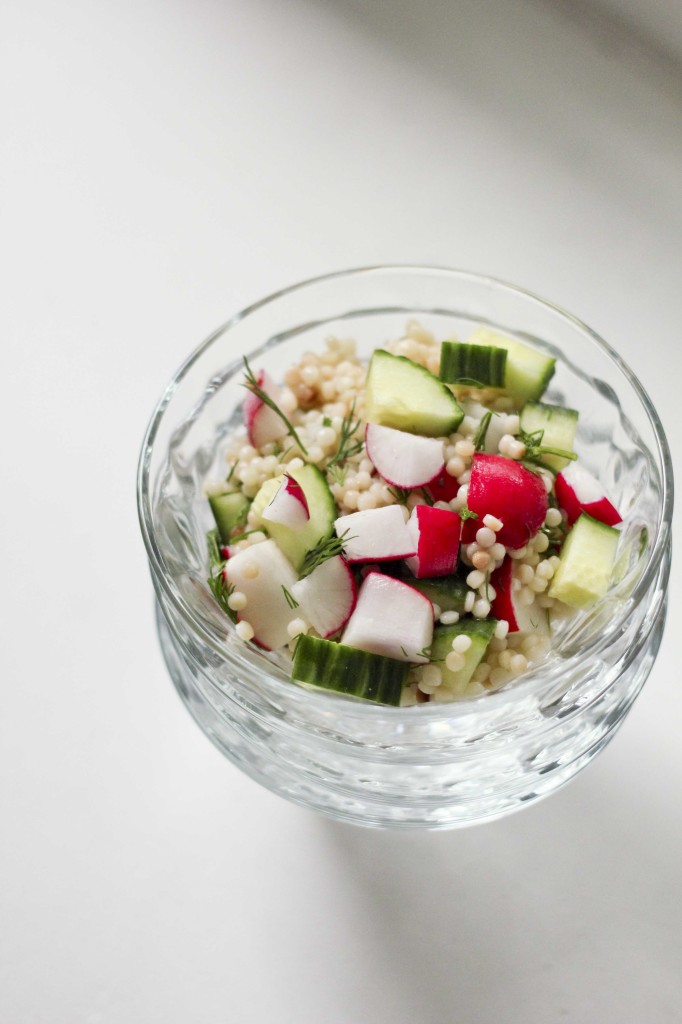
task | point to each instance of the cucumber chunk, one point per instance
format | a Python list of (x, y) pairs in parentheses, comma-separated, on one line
[(528, 371), (345, 669), (229, 510), (558, 425), (586, 566), (461, 363), (322, 508), (448, 592), (406, 396), (480, 632)]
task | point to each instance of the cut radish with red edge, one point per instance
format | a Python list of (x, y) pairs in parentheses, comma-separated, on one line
[(375, 535), (391, 618), (263, 424), (288, 506), (403, 459), (435, 533), (578, 491), (327, 596), (522, 618)]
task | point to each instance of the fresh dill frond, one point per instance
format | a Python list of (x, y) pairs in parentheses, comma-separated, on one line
[(401, 494), (252, 385), (218, 585), (479, 437), (535, 449), (466, 513), (325, 549), (348, 444), (289, 598)]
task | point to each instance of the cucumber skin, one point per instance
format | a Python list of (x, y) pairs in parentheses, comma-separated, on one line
[(409, 412), (448, 592), (344, 669), (323, 512), (229, 510), (523, 383), (461, 362), (481, 632)]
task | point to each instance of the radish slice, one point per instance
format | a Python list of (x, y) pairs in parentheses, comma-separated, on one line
[(391, 618), (288, 506), (327, 597), (267, 608), (402, 459), (578, 491), (503, 488), (375, 535), (444, 487), (262, 423), (435, 532), (522, 618)]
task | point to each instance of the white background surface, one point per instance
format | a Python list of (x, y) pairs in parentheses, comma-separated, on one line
[(163, 165)]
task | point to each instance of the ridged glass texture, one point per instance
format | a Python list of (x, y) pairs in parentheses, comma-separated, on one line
[(432, 766)]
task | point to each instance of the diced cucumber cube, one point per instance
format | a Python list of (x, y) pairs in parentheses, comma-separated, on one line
[(558, 425), (344, 669), (480, 632), (483, 365), (528, 371), (586, 566), (229, 510), (406, 396)]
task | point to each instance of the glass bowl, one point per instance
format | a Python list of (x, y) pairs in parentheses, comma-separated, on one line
[(434, 765)]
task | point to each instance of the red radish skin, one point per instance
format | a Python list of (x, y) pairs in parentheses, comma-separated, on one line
[(391, 618), (444, 487), (375, 535), (327, 596), (262, 423), (521, 618), (288, 506), (435, 532), (503, 488), (403, 459), (577, 491)]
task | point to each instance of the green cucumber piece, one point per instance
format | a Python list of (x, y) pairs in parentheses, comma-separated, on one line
[(323, 512), (472, 364), (586, 563), (406, 396), (229, 510), (344, 669), (479, 631), (528, 371), (558, 425), (448, 592)]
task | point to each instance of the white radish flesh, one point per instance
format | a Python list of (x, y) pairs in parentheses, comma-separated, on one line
[(391, 618), (375, 535), (327, 596), (403, 459), (261, 573)]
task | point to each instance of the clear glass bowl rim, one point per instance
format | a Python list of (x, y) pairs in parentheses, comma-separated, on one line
[(251, 663)]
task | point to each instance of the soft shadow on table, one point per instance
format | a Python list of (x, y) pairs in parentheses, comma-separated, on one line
[(571, 892)]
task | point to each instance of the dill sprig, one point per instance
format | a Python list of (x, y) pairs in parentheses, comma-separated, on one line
[(254, 387), (480, 435), (289, 598), (535, 449), (218, 585), (401, 494), (325, 549), (348, 443), (466, 513)]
